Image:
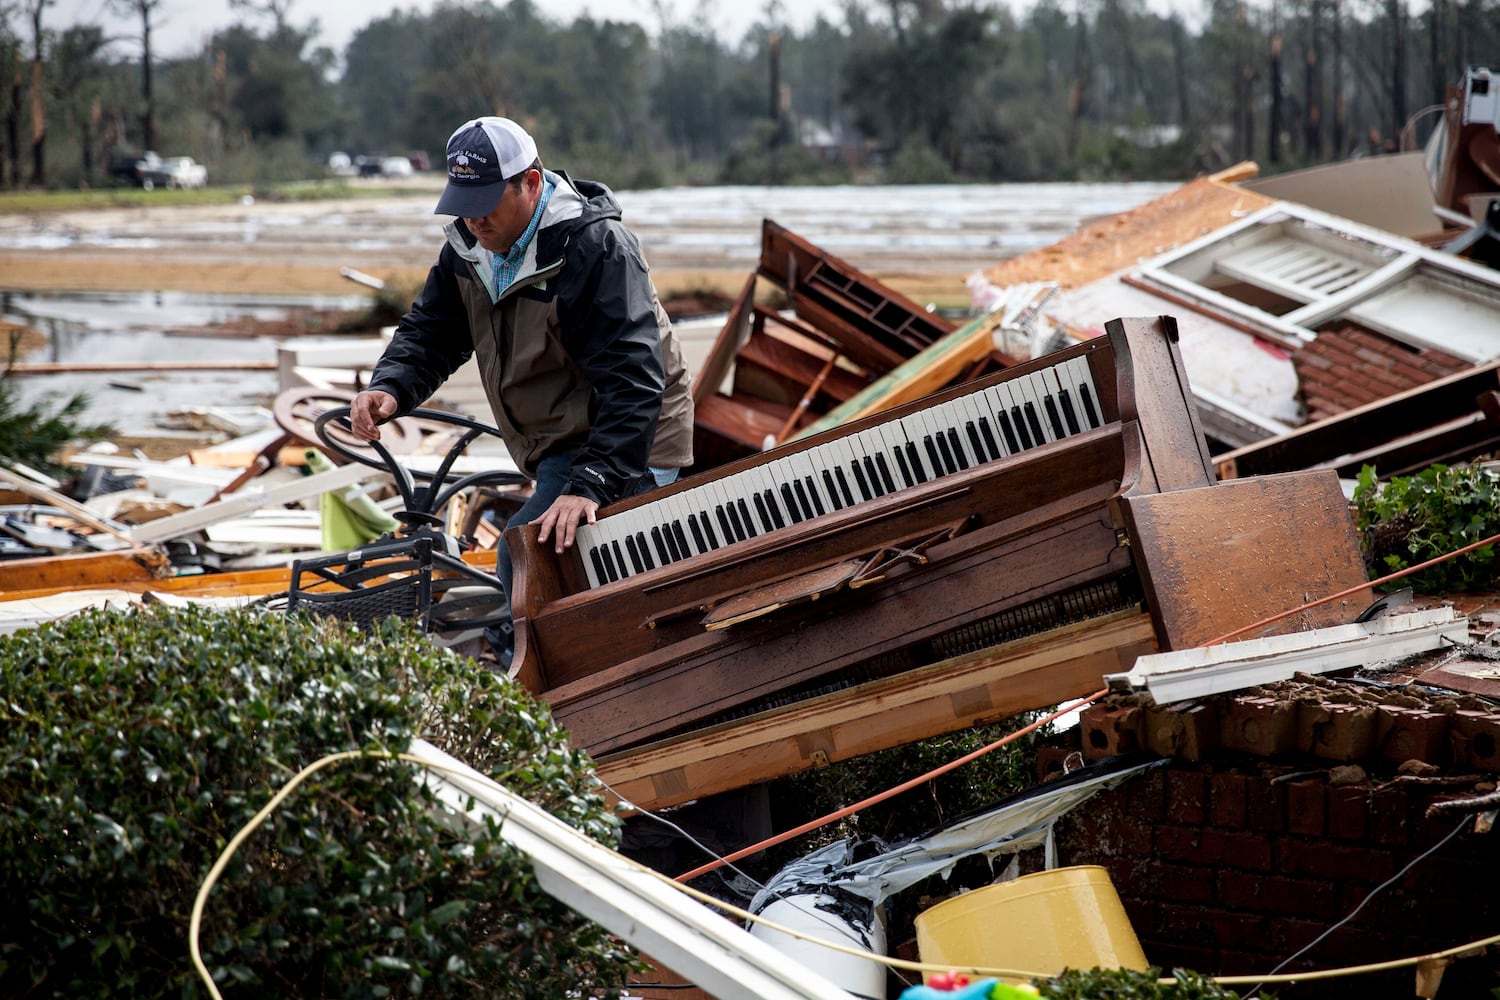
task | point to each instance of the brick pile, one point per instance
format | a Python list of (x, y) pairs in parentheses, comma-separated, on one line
[(1281, 809)]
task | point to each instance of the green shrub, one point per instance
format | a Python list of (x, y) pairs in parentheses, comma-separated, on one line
[(1127, 984), (34, 435), (135, 745), (1412, 519)]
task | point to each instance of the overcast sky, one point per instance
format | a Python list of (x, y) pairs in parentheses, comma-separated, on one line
[(182, 26)]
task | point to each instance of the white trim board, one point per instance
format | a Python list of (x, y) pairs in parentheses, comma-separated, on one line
[(623, 896), (1184, 674)]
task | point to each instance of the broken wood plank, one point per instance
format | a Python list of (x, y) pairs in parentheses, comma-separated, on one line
[(71, 367), (56, 499), (923, 374), (987, 686), (89, 569), (247, 500)]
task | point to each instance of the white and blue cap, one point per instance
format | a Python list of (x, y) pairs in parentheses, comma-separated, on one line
[(483, 154)]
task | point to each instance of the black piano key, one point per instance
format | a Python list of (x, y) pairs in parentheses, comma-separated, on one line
[(1053, 417), (789, 500), (833, 490), (975, 443), (609, 564), (1065, 400), (597, 558), (814, 494), (778, 516), (1018, 420), (661, 545), (957, 447), (672, 532), (885, 472), (873, 475), (724, 525), (916, 462), (619, 559), (799, 489), (1033, 420), (635, 554), (989, 438), (645, 549), (682, 542), (1009, 431), (734, 528), (938, 465), (848, 493), (949, 466), (744, 509), (906, 476), (708, 530), (865, 493), (1089, 411), (761, 509)]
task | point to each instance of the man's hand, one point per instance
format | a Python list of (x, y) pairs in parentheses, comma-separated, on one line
[(367, 410), (561, 520)]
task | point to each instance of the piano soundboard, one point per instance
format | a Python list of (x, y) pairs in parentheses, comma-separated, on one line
[(982, 426)]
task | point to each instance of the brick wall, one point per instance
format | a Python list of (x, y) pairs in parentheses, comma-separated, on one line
[(1228, 869)]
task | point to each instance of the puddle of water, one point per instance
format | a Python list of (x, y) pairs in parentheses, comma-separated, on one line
[(131, 327)]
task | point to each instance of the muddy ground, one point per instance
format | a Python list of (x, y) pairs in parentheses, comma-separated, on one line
[(265, 247)]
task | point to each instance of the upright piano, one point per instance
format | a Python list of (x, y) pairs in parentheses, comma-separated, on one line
[(1074, 487)]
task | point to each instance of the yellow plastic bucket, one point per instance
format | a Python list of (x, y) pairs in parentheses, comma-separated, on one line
[(1066, 918)]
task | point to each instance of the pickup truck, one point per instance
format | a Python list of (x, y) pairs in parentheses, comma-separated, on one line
[(173, 172)]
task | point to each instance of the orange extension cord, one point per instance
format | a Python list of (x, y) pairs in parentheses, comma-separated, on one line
[(888, 793), (839, 814)]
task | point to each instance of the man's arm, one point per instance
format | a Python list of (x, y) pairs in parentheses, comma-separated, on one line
[(610, 329), (431, 342)]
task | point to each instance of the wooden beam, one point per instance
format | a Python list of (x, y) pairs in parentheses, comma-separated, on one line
[(987, 686), (89, 569), (72, 367), (922, 375)]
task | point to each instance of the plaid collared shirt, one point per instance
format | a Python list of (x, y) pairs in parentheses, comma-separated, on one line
[(507, 266)]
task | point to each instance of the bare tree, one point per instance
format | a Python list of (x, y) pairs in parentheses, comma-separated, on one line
[(145, 10), (276, 10), (10, 53), (1273, 130), (33, 10), (1312, 122), (1340, 107), (1397, 13)]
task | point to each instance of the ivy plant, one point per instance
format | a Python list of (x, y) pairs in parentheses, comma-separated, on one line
[(1131, 984), (1412, 519), (134, 745)]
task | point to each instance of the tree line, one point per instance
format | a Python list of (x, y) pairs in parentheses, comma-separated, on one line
[(894, 90)]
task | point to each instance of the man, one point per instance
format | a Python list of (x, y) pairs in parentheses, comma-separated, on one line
[(543, 284)]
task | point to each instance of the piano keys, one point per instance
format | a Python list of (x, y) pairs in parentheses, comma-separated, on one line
[(972, 429), (871, 549)]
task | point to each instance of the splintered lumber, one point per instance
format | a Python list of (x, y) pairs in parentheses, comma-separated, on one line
[(143, 563), (927, 372)]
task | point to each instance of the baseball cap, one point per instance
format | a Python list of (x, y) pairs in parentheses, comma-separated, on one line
[(483, 154)]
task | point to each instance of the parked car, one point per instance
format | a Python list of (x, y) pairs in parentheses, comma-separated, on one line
[(132, 168), (395, 166), (175, 172)]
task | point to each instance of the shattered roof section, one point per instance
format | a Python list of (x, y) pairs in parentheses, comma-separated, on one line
[(1109, 245), (1349, 366)]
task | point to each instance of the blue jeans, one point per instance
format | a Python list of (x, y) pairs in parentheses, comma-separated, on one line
[(551, 477)]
